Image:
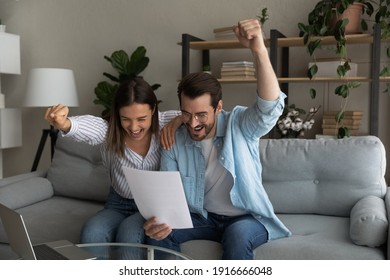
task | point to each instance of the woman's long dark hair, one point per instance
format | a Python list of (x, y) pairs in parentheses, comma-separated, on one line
[(135, 90)]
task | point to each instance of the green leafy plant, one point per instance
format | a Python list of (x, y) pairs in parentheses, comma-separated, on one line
[(262, 16), (321, 22), (126, 68)]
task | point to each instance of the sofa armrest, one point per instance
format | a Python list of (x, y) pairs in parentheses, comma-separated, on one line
[(387, 203), (21, 177), (26, 189)]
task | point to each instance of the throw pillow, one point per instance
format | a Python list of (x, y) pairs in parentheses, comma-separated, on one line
[(368, 222)]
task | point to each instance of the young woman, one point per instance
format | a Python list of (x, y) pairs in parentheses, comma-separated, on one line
[(130, 138)]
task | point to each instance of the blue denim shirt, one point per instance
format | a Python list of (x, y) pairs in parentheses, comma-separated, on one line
[(237, 141)]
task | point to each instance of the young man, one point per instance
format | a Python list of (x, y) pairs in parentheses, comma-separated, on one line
[(217, 154)]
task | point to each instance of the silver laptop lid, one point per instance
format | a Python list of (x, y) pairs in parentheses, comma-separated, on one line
[(18, 237)]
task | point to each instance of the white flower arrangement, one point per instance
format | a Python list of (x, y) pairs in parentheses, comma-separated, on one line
[(292, 125)]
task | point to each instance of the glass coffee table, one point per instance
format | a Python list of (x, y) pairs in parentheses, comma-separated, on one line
[(130, 251)]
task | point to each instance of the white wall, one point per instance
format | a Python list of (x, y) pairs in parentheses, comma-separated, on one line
[(77, 34)]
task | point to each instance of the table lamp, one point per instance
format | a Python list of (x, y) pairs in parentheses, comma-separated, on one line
[(47, 87)]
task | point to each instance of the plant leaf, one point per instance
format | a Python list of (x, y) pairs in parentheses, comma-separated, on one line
[(104, 92), (120, 61), (339, 116), (138, 61), (111, 77), (313, 93), (155, 86), (312, 71), (343, 132), (342, 91), (312, 46)]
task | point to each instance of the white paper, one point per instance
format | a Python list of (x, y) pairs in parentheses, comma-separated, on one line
[(159, 194)]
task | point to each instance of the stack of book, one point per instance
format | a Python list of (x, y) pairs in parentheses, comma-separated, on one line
[(224, 33), (351, 120), (238, 70)]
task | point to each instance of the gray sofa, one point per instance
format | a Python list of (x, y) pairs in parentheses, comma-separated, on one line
[(330, 193)]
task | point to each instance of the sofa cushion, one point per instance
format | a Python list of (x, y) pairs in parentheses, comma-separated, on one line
[(315, 237), (26, 192), (77, 171), (368, 222), (322, 176), (56, 219)]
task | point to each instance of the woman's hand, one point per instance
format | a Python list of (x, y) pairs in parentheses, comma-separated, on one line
[(167, 133), (57, 116)]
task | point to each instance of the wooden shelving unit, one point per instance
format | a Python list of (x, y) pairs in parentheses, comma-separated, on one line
[(279, 46), (281, 42)]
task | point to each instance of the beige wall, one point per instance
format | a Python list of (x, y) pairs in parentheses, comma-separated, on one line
[(77, 34)]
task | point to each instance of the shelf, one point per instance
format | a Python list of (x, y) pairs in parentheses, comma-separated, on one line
[(307, 80), (281, 42), (279, 47)]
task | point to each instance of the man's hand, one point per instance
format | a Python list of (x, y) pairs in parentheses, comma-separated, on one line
[(167, 133), (249, 33), (57, 116), (156, 231)]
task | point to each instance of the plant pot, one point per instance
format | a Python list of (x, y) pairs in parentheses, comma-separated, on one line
[(327, 67), (353, 13), (2, 28)]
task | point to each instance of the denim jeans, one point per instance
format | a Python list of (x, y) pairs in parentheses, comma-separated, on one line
[(239, 235), (119, 222)]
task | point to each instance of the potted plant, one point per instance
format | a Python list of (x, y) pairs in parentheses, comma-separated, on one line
[(126, 68), (326, 20)]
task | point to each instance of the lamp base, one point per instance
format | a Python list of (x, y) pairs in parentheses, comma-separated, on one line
[(53, 133)]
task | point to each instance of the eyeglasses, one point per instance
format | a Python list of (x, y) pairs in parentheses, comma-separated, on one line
[(200, 117)]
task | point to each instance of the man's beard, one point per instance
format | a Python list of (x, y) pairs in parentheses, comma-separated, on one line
[(206, 129)]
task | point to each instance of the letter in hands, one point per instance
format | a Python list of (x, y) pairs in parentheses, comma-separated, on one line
[(155, 230), (57, 116)]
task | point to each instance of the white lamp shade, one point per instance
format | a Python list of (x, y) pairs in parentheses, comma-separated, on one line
[(51, 86), (9, 53)]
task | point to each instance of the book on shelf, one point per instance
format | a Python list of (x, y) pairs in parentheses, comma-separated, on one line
[(238, 73), (242, 63), (240, 78), (239, 68), (223, 29), (224, 33), (344, 121), (346, 113)]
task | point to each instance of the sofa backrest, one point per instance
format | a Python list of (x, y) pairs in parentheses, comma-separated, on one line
[(322, 176), (77, 171)]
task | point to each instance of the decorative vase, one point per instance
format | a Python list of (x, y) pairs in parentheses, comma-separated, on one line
[(353, 13)]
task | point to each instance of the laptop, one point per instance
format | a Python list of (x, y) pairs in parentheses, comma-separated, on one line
[(20, 242)]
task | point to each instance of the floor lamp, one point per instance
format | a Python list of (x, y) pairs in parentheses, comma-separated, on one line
[(47, 87)]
